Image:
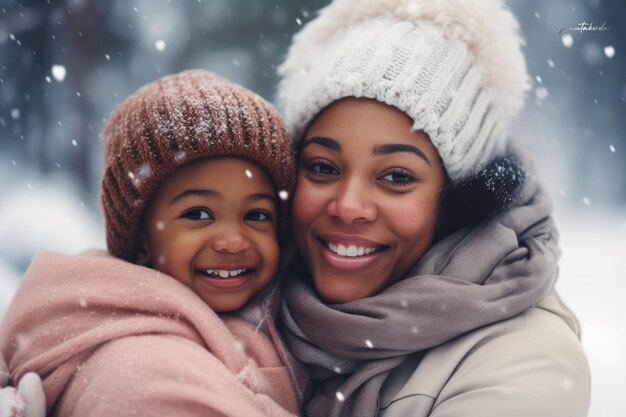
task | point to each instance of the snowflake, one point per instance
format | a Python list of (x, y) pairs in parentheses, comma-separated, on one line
[(59, 72), (567, 40)]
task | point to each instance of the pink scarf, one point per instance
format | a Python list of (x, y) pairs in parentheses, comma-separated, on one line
[(69, 308)]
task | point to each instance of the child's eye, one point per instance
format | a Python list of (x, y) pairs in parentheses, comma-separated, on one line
[(399, 177), (197, 214), (321, 167), (258, 216)]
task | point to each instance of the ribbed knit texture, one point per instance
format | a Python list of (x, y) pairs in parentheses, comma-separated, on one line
[(406, 59), (175, 120)]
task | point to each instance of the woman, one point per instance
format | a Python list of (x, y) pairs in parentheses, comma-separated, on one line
[(429, 248)]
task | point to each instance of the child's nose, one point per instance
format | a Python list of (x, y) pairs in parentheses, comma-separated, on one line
[(231, 241)]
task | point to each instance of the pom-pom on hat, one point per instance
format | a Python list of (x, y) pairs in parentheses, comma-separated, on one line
[(454, 66), (175, 120)]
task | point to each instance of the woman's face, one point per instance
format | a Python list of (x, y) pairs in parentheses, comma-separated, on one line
[(366, 203)]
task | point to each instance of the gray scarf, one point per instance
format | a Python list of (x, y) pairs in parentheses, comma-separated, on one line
[(479, 275)]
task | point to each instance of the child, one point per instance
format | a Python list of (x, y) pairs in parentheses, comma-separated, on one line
[(193, 170)]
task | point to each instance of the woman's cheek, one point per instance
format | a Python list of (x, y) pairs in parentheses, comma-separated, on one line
[(306, 204), (414, 220)]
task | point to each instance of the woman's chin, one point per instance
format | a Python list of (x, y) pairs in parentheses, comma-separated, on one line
[(334, 290)]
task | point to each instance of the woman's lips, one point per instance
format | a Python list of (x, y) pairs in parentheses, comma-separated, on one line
[(350, 257)]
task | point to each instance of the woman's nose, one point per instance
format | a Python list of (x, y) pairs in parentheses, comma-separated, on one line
[(231, 240), (352, 205)]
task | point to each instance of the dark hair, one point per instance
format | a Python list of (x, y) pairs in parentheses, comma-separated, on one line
[(480, 197)]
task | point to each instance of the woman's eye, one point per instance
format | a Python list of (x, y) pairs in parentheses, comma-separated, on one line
[(197, 214), (399, 177), (258, 216), (320, 167)]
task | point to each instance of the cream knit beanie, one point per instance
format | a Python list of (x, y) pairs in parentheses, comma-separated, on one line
[(454, 66)]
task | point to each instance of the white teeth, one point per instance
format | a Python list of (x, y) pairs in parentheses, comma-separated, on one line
[(225, 273), (350, 251)]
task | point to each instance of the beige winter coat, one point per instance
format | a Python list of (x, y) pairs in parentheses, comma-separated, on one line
[(531, 365)]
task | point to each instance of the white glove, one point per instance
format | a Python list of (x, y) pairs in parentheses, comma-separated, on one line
[(28, 400)]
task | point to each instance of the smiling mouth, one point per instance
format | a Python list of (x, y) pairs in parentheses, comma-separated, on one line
[(352, 251), (226, 273)]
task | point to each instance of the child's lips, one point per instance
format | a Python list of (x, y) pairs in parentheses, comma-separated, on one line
[(227, 277), (225, 272)]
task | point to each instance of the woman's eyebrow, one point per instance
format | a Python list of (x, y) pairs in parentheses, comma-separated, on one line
[(323, 141), (399, 147)]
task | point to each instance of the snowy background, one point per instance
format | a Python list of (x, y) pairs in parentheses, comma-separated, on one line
[(65, 65)]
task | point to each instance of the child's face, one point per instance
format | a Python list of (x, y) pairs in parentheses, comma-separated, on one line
[(212, 226)]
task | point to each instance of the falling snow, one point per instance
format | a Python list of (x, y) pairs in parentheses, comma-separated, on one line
[(248, 173), (160, 45), (160, 226), (283, 195), (600, 339), (541, 93), (567, 40), (144, 172), (369, 343), (58, 72), (339, 395)]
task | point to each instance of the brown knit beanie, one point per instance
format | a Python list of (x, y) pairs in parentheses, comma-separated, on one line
[(175, 120)]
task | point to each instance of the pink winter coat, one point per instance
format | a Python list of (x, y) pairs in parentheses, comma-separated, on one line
[(110, 338)]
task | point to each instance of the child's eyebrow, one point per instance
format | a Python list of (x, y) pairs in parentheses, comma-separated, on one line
[(262, 196), (191, 192)]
